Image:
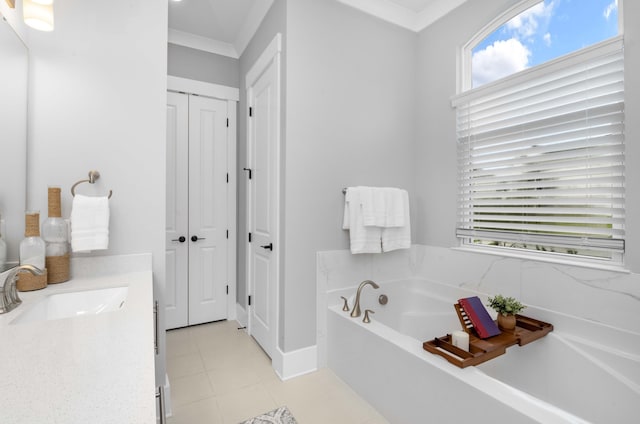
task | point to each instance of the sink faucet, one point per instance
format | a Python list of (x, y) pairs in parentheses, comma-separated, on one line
[(356, 306), (9, 299)]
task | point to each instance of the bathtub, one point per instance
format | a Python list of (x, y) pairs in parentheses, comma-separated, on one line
[(564, 377)]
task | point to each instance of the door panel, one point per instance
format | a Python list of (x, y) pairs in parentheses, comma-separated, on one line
[(262, 150), (177, 275), (260, 306), (207, 209)]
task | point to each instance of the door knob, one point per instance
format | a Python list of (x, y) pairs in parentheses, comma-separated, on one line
[(196, 238), (268, 246), (181, 239)]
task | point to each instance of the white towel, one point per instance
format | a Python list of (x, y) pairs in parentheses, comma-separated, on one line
[(363, 239), (398, 237), (383, 207), (89, 223)]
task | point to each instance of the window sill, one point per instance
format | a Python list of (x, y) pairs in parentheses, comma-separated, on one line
[(539, 258)]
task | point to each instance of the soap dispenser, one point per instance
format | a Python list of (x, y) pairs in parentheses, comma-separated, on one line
[(32, 252), (55, 232)]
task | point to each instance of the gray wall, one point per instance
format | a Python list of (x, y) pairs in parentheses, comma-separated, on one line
[(350, 121), (368, 103), (199, 65), (435, 151), (273, 23), (98, 87), (434, 159)]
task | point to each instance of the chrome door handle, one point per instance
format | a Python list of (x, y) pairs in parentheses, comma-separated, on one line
[(181, 239), (196, 238), (268, 246)]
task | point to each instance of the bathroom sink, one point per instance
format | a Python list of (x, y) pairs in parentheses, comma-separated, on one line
[(75, 304)]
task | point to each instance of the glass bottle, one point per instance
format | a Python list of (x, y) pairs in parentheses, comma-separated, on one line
[(55, 232), (32, 250), (32, 247)]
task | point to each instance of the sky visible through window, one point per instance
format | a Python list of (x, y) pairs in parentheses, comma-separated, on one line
[(550, 29)]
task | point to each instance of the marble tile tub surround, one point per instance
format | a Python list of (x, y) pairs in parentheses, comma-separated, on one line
[(565, 295)]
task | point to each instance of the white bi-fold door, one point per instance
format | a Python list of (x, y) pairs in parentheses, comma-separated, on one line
[(197, 221)]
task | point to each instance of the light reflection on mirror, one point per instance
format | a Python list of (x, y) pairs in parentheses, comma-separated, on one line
[(14, 69)]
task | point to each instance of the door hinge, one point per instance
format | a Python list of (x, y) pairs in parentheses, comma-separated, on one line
[(249, 300), (227, 289), (249, 237), (227, 234), (250, 111), (227, 122)]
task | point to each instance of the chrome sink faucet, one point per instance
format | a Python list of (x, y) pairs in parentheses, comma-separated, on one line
[(9, 299), (356, 306)]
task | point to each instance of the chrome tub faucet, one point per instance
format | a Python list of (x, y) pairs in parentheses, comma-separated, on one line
[(9, 299), (356, 306)]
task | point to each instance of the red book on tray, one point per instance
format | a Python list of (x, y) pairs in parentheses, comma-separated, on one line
[(482, 322)]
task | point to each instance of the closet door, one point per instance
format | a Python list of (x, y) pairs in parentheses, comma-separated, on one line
[(207, 209), (177, 212)]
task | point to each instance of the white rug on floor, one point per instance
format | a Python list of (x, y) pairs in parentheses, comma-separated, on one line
[(278, 416)]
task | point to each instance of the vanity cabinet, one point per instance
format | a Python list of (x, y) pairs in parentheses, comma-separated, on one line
[(93, 368)]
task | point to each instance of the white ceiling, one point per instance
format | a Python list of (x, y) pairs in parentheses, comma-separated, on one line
[(226, 26)]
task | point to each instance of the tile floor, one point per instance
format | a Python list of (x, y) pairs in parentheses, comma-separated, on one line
[(219, 374)]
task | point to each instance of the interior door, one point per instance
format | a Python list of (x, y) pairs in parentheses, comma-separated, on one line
[(177, 211), (262, 214), (207, 209), (196, 210)]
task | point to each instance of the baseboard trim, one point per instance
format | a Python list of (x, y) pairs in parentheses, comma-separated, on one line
[(241, 315), (296, 363)]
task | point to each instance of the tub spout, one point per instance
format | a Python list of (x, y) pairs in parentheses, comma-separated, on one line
[(355, 312)]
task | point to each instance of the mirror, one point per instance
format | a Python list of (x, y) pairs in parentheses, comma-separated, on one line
[(14, 70)]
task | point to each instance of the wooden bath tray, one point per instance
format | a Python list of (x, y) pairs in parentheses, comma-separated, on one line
[(481, 350)]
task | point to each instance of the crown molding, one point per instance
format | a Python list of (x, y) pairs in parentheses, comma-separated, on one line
[(436, 10), (251, 24), (198, 42), (402, 16)]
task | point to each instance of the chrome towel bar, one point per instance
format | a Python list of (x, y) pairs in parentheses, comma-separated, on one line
[(93, 176)]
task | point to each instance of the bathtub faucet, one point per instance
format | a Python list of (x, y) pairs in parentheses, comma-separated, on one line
[(356, 306)]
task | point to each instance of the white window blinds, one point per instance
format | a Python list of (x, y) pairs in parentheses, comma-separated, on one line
[(541, 156)]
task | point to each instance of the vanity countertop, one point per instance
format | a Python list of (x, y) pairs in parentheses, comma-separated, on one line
[(87, 369)]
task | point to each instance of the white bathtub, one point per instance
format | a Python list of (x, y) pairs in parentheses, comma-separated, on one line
[(562, 378)]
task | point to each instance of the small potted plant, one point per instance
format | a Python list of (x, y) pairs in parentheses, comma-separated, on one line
[(507, 308)]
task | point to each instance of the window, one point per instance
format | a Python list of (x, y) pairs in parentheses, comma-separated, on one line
[(538, 31), (541, 157)]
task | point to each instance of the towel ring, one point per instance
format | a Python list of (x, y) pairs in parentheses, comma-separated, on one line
[(93, 176)]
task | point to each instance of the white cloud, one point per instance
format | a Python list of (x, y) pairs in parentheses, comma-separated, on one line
[(502, 58), (526, 24), (547, 39), (610, 9)]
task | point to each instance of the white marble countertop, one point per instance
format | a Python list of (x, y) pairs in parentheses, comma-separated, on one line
[(87, 369)]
